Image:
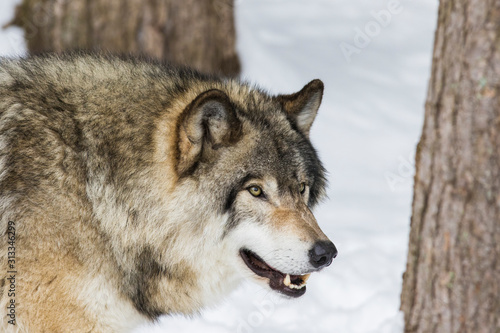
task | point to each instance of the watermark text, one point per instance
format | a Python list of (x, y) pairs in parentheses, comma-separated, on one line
[(11, 273)]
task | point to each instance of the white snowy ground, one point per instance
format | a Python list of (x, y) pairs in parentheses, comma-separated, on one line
[(366, 133)]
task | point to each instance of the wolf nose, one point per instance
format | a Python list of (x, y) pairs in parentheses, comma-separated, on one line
[(322, 254)]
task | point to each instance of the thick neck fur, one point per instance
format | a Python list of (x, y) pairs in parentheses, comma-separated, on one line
[(171, 267)]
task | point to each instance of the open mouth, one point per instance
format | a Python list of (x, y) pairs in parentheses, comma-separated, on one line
[(290, 285)]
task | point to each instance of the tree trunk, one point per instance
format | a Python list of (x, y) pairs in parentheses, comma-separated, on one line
[(452, 280), (198, 33)]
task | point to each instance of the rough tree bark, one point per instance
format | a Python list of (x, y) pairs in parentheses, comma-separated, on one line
[(452, 281), (198, 33)]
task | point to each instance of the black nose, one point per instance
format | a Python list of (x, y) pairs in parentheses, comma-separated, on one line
[(322, 254)]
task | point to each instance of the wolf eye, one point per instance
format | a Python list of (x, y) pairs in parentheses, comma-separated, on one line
[(255, 191), (302, 188)]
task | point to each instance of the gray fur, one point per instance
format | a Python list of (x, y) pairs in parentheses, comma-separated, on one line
[(123, 171)]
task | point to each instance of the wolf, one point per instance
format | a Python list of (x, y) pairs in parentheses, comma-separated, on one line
[(130, 189)]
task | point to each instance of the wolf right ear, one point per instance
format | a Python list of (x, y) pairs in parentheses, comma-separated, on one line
[(303, 106), (208, 123)]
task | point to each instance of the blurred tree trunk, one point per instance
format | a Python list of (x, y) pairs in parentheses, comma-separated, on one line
[(452, 280), (198, 33)]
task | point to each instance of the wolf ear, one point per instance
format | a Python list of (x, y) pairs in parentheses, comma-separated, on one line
[(210, 122), (303, 106)]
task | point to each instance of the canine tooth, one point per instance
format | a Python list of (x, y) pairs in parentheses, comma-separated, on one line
[(286, 281), (305, 278)]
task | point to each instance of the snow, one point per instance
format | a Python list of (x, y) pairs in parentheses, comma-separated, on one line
[(12, 38), (375, 75)]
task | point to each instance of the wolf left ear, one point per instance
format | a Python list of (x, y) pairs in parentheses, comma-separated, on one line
[(303, 106), (208, 123)]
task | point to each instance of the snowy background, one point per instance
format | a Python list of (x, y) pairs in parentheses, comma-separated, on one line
[(374, 57)]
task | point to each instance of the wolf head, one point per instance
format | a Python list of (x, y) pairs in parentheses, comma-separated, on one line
[(252, 156)]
